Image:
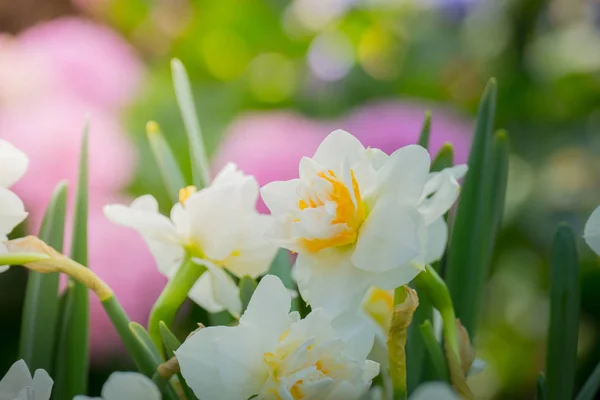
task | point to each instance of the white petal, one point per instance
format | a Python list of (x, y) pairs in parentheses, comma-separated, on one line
[(12, 211), (458, 171), (434, 391), (445, 191), (389, 237), (232, 175), (223, 362), (339, 146), (405, 173), (215, 214), (281, 197), (402, 275), (370, 370), (268, 309), (13, 164), (42, 384), (357, 334), (225, 291), (331, 282), (591, 232), (129, 386), (17, 378), (437, 237), (181, 221), (202, 294), (254, 254)]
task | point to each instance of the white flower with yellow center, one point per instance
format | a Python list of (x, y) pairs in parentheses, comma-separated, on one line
[(359, 218), (126, 385), (273, 355), (217, 226), (13, 165), (18, 384)]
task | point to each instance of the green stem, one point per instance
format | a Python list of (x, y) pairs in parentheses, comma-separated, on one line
[(171, 299), (440, 297), (398, 375), (435, 351), (21, 258)]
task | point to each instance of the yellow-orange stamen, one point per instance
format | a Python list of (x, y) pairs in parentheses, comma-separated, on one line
[(186, 192)]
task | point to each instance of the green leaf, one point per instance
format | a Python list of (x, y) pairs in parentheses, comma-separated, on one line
[(183, 92), (61, 379), (171, 344), (74, 379), (561, 355), (415, 346), (247, 288), (443, 159), (169, 339), (477, 217), (425, 131), (40, 312), (172, 297), (282, 268), (591, 386), (167, 163), (142, 336), (435, 351), (540, 390)]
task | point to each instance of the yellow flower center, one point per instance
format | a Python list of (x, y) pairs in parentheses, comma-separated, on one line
[(186, 192), (379, 305), (350, 213)]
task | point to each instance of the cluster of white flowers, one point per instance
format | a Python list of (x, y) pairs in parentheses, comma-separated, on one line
[(361, 222)]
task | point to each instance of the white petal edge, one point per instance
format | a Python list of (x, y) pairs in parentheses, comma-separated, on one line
[(337, 147), (13, 164), (130, 386), (591, 232)]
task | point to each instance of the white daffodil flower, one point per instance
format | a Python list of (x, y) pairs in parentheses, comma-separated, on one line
[(359, 218), (272, 354), (126, 386), (218, 226), (591, 232), (18, 384), (13, 165)]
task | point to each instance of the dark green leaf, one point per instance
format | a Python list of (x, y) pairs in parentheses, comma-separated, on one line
[(425, 131), (561, 355), (247, 288), (443, 159), (40, 313), (476, 221), (415, 346), (435, 351), (76, 353), (589, 390), (540, 390), (167, 163)]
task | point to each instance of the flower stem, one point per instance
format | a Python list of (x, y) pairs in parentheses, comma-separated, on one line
[(440, 297), (171, 299)]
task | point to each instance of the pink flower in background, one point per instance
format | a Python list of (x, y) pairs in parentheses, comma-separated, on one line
[(51, 77), (270, 145)]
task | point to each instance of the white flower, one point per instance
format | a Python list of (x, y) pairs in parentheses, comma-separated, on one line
[(275, 355), (434, 391), (126, 386), (13, 164), (218, 226), (18, 384), (359, 218), (591, 232)]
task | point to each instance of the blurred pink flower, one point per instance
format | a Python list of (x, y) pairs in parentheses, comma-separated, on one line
[(270, 145)]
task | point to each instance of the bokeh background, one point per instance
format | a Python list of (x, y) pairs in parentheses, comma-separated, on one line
[(271, 79)]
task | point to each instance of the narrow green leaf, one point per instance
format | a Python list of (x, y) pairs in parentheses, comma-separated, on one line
[(591, 386), (474, 229), (415, 346), (435, 351), (282, 268), (183, 92), (171, 344), (59, 390), (167, 163), (425, 131), (169, 339), (561, 355), (540, 390), (443, 159), (142, 336), (40, 312), (75, 378), (247, 288), (172, 297)]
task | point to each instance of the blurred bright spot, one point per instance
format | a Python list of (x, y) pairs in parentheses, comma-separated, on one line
[(487, 31), (272, 77), (520, 185), (225, 54), (314, 15), (331, 56), (380, 53)]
